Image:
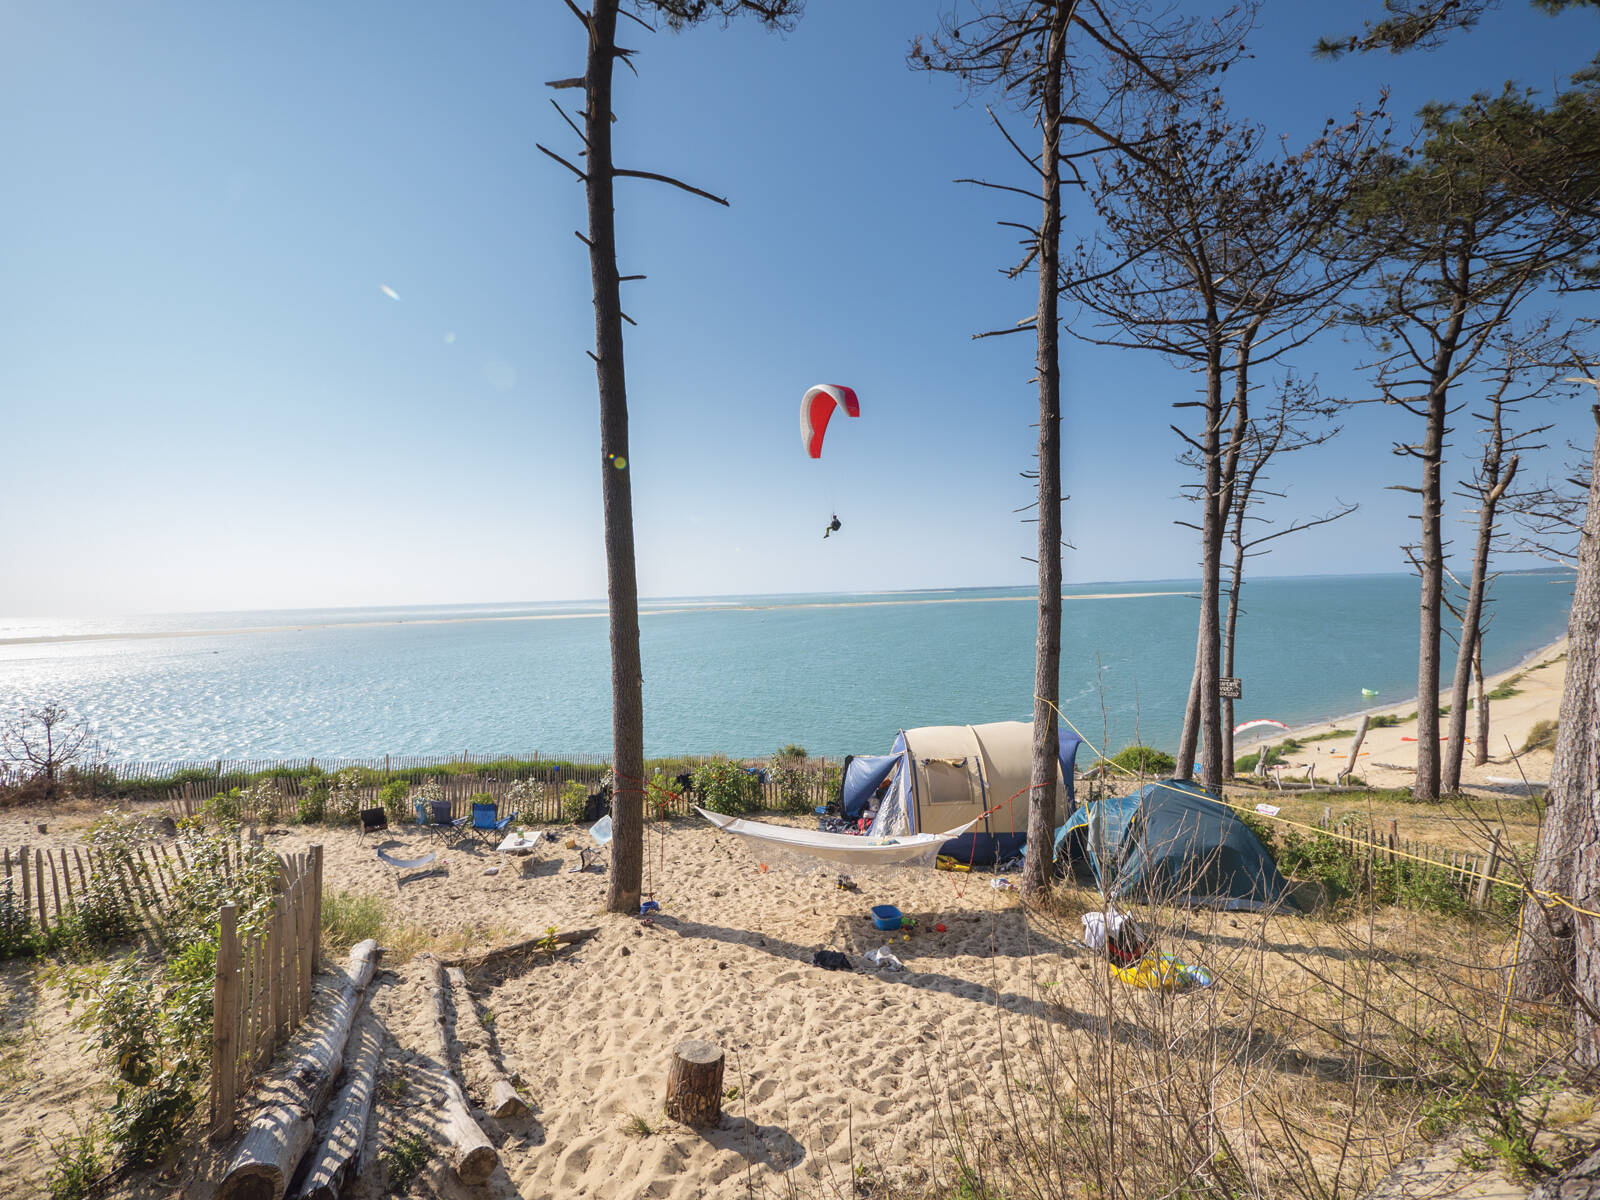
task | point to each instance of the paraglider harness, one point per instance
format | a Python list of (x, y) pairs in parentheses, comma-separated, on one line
[(833, 526)]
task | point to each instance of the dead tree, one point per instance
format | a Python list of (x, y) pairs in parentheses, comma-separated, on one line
[(1522, 356), (598, 174), (1084, 71), (1460, 251), (44, 743), (1212, 254)]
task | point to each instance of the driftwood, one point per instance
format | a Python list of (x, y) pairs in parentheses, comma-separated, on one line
[(347, 1128), (473, 962), (280, 1136), (471, 1153), (503, 1098), (694, 1085)]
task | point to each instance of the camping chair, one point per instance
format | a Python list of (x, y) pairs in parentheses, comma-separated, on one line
[(444, 823), (487, 824), (373, 819)]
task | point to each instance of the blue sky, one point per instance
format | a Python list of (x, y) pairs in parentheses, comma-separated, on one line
[(209, 403)]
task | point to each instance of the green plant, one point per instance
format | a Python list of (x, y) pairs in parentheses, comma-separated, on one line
[(637, 1125), (312, 807), (1385, 721), (17, 939), (404, 1161), (1541, 737), (344, 797), (791, 751), (658, 798), (395, 796), (102, 915), (1275, 756), (1143, 760), (77, 1166), (723, 786), (223, 809), (350, 917), (791, 781), (574, 796)]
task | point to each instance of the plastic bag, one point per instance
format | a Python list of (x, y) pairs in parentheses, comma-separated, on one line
[(885, 960)]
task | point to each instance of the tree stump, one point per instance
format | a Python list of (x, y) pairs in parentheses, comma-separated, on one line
[(694, 1085)]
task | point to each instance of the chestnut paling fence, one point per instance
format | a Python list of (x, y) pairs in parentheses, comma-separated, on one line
[(44, 885)]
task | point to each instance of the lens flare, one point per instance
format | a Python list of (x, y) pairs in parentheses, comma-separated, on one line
[(388, 291)]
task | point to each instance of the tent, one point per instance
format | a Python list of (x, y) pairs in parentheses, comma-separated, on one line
[(1175, 842), (943, 776)]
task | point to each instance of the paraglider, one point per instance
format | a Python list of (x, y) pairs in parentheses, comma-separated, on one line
[(833, 526), (1238, 729), (816, 409)]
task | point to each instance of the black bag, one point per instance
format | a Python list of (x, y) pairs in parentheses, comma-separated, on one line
[(597, 805)]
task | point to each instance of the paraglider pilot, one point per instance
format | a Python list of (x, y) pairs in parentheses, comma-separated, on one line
[(833, 526)]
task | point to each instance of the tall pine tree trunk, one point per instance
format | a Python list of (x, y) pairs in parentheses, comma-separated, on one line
[(1190, 739), (1471, 619), (1235, 586), (1431, 564), (622, 592), (1480, 748), (1212, 524), (1046, 769), (1558, 945)]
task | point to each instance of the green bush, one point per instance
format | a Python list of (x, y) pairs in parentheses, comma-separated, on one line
[(1247, 764), (312, 806), (344, 797), (17, 938), (1144, 760), (791, 751), (1384, 721), (395, 796), (791, 781), (574, 796), (77, 1167), (724, 787), (223, 810), (102, 915)]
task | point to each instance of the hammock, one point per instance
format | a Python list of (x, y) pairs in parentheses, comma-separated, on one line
[(845, 849), (405, 864)]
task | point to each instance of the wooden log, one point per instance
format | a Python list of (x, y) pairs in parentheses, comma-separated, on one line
[(337, 1160), (472, 1155), (473, 962), (694, 1084), (1355, 750), (504, 1101), (279, 1136), (225, 1025)]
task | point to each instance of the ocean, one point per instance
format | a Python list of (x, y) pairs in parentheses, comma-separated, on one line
[(837, 673)]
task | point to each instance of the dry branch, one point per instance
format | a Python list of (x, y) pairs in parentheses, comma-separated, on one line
[(504, 1101), (474, 962), (471, 1154)]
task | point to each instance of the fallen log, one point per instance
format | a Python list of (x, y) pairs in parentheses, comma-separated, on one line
[(347, 1128), (547, 942), (278, 1138), (471, 1153), (503, 1098)]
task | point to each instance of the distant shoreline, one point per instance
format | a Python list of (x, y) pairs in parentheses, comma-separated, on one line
[(148, 635)]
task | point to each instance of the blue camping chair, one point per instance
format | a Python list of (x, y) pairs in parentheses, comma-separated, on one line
[(487, 824)]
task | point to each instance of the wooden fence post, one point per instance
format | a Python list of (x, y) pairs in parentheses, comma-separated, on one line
[(283, 971), (27, 882), (38, 890), (225, 1025), (316, 907), (1490, 868)]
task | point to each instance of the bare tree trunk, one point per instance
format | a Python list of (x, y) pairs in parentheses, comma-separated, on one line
[(1211, 575), (1558, 946), (622, 592), (1480, 749), (1191, 721), (1431, 564), (1235, 586), (1047, 653), (1471, 618)]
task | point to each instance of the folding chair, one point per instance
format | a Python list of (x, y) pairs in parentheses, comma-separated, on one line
[(373, 819), (487, 824), (444, 823)]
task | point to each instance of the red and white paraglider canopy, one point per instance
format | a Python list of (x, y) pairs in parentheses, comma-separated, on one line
[(817, 406), (1259, 721)]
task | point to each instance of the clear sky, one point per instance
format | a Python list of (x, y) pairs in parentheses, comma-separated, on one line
[(292, 313)]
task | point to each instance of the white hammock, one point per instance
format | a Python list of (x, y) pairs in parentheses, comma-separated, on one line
[(844, 849)]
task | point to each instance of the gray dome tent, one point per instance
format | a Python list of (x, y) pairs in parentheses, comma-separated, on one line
[(1173, 842)]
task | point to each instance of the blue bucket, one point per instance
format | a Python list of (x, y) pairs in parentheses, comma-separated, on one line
[(886, 916)]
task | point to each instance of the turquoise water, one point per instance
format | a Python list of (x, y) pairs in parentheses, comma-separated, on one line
[(838, 673)]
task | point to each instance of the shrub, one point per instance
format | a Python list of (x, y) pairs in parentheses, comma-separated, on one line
[(16, 935), (260, 801), (1144, 760), (395, 796), (1247, 764), (791, 751), (344, 797), (1384, 721), (574, 796), (1541, 737), (524, 799), (77, 1167), (102, 917), (223, 810), (658, 798), (724, 787), (313, 804), (791, 781)]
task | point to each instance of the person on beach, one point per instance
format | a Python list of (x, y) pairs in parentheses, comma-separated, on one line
[(833, 526)]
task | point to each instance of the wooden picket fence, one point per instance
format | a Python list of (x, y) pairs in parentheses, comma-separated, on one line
[(263, 985), (47, 883), (1474, 873)]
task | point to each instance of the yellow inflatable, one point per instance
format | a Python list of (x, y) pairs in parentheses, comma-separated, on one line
[(1162, 972)]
